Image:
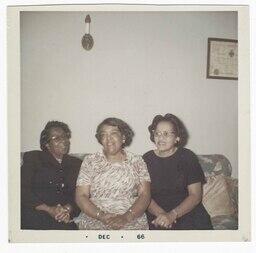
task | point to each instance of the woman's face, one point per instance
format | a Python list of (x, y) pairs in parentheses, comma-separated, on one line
[(165, 137), (111, 139), (59, 143)]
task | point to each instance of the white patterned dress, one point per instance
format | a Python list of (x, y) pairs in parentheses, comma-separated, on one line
[(113, 188)]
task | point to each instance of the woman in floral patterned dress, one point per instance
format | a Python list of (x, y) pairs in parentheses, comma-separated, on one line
[(113, 186)]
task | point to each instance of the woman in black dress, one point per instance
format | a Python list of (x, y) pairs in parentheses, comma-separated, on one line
[(48, 181), (176, 179)]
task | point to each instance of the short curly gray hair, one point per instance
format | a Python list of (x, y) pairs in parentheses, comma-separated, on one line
[(122, 126), (45, 134)]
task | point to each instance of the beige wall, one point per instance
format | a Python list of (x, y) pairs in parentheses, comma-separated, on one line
[(142, 64)]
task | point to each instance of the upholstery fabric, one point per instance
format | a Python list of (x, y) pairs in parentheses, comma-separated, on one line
[(216, 198), (213, 165)]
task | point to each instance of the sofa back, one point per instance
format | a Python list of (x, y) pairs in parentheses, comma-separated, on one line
[(215, 165), (211, 164)]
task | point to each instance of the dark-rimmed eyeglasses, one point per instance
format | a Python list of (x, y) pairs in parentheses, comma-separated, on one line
[(164, 134), (59, 138)]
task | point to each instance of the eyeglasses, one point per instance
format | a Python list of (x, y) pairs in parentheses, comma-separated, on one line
[(59, 138), (164, 134)]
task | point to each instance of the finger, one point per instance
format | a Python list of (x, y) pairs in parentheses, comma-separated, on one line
[(59, 215), (159, 222), (111, 222), (67, 220), (62, 217), (110, 219), (113, 226), (117, 226), (59, 211), (154, 223), (58, 208), (162, 224)]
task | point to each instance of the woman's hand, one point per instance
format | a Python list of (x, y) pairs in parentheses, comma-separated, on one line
[(106, 218), (165, 220), (118, 221), (59, 213)]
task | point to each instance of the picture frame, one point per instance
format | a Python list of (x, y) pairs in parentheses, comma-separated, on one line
[(222, 59)]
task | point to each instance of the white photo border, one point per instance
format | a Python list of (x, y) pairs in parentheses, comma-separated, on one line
[(13, 78)]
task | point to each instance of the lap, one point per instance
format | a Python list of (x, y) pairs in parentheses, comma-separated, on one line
[(40, 220)]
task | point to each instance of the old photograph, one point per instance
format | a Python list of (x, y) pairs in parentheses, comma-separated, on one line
[(123, 135)]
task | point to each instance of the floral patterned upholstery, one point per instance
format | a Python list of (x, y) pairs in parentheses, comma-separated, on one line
[(212, 165), (215, 165)]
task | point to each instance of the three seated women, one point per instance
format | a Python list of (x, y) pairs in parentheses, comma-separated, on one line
[(113, 185)]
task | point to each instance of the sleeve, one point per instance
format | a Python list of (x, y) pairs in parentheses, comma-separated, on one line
[(86, 172), (193, 169), (142, 170), (74, 167), (28, 168)]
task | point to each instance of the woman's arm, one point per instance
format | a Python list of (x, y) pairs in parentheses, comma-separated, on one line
[(136, 210), (28, 169), (154, 208), (84, 203), (191, 201), (58, 212), (142, 202), (71, 179)]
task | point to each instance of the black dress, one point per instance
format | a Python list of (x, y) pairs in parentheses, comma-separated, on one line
[(45, 180), (170, 177)]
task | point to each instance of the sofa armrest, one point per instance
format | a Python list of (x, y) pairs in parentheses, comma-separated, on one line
[(232, 184)]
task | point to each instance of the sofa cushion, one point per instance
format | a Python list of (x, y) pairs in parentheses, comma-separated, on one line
[(225, 222), (216, 198), (215, 165), (232, 184)]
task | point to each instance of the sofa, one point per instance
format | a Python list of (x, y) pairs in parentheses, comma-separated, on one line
[(220, 192)]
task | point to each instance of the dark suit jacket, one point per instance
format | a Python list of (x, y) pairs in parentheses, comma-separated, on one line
[(45, 180)]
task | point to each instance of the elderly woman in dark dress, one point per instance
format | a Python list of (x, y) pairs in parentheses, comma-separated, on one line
[(48, 179), (176, 179)]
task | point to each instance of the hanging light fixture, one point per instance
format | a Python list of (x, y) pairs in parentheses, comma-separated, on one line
[(87, 40)]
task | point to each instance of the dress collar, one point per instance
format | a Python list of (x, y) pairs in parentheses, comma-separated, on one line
[(127, 159), (51, 159)]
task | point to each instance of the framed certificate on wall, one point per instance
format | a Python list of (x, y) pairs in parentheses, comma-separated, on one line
[(222, 59)]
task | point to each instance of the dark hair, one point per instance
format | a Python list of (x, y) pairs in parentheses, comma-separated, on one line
[(45, 134), (178, 127), (122, 126)]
